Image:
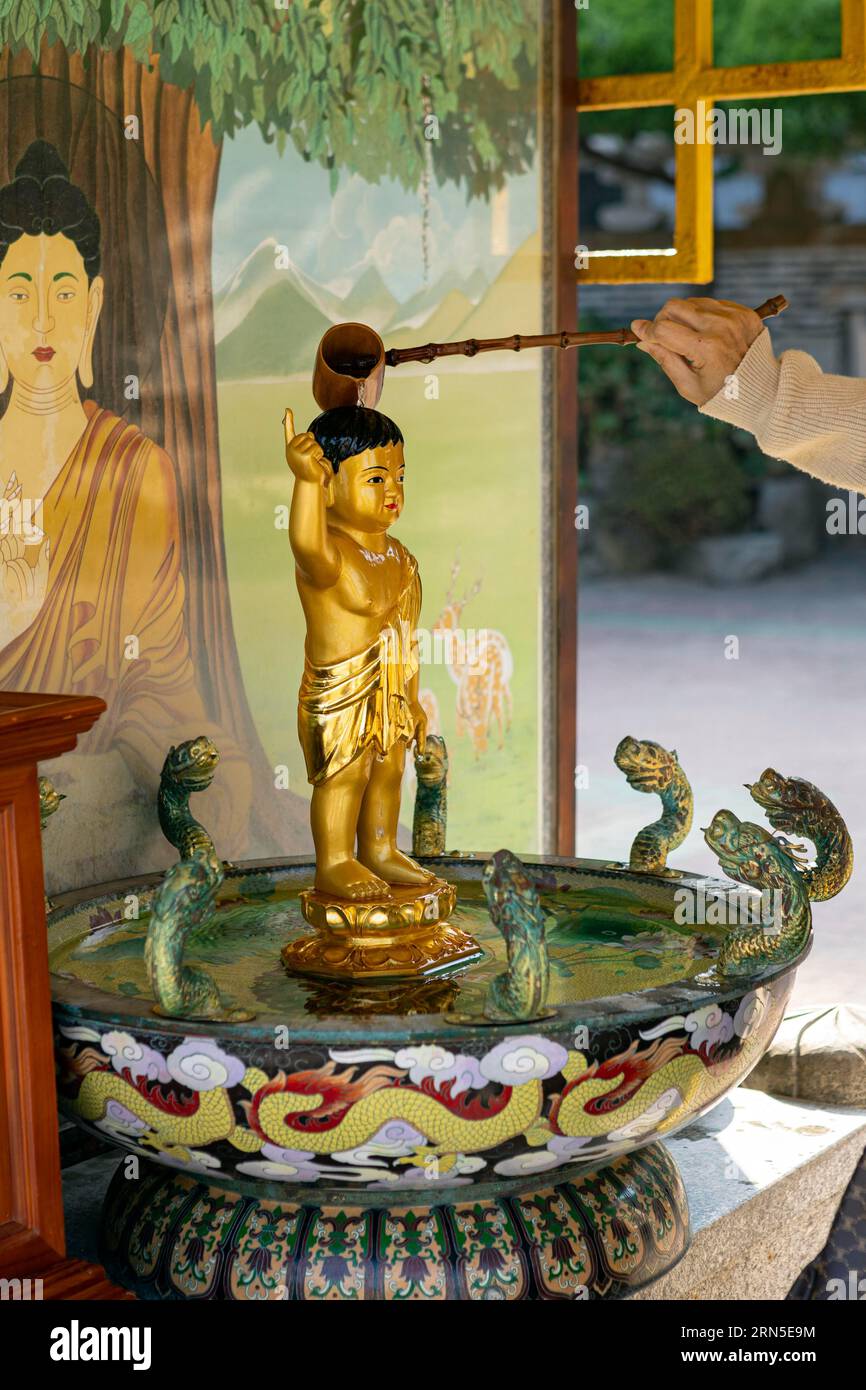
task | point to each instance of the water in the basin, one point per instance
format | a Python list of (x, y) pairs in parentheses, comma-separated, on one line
[(604, 938)]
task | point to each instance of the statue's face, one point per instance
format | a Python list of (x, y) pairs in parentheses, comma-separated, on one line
[(48, 312), (367, 492)]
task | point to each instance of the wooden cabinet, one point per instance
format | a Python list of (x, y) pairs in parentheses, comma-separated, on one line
[(33, 728)]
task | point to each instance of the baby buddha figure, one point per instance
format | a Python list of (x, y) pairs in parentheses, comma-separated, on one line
[(358, 707)]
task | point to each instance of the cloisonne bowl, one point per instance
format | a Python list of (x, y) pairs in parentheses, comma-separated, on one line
[(383, 1140), (388, 1087)]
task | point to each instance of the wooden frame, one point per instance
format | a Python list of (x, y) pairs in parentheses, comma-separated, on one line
[(33, 728), (695, 78), (558, 684)]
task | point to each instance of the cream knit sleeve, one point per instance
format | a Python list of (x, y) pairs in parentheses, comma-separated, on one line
[(798, 413)]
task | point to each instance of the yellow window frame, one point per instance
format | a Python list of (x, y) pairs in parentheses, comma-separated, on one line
[(694, 78)]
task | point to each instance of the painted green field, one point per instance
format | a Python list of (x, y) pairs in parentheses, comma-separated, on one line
[(473, 486)]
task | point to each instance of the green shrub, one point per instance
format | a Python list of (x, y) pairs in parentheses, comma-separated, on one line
[(680, 490), (685, 475)]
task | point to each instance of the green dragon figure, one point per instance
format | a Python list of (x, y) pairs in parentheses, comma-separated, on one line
[(187, 895), (650, 768), (520, 992), (188, 768), (799, 808), (49, 800), (431, 798), (185, 898), (753, 856)]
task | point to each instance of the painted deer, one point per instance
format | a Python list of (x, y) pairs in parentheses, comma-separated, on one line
[(481, 669)]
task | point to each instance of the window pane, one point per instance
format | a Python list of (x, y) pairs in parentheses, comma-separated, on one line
[(775, 31), (619, 36), (825, 127), (627, 191)]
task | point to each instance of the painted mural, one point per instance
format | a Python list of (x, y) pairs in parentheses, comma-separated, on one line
[(168, 263), (472, 447)]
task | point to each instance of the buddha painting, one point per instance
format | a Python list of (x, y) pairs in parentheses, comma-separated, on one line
[(92, 593)]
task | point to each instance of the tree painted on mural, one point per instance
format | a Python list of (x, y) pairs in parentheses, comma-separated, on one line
[(349, 83)]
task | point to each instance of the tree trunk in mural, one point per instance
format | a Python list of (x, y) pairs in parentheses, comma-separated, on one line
[(160, 190)]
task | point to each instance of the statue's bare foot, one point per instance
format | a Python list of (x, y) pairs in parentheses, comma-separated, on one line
[(350, 879), (396, 868)]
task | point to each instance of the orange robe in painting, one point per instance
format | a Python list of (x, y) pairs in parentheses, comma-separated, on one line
[(111, 516)]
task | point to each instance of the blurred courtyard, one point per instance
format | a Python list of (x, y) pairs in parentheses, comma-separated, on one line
[(652, 663)]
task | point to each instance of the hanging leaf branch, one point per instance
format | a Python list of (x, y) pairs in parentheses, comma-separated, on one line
[(342, 79)]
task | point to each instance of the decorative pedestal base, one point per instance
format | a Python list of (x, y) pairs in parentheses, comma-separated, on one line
[(404, 935), (598, 1235)]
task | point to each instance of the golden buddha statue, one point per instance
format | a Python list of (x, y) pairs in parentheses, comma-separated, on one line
[(358, 708), (359, 587)]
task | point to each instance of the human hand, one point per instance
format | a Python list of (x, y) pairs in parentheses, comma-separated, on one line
[(698, 343), (14, 578), (419, 726), (19, 580), (22, 586), (12, 491), (304, 456)]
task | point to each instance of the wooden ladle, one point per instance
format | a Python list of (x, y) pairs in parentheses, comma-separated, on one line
[(351, 359)]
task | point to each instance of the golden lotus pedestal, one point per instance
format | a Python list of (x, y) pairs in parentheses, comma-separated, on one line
[(405, 934)]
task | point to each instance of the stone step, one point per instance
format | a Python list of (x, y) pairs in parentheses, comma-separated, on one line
[(764, 1178)]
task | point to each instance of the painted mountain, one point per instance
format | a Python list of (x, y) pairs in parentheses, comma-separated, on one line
[(269, 321), (254, 277)]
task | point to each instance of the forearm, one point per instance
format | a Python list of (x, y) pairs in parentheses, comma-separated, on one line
[(798, 413), (314, 551)]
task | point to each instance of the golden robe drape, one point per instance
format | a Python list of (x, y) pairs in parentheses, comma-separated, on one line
[(112, 622), (362, 701)]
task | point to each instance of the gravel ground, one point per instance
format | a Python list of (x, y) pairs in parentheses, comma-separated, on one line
[(653, 664)]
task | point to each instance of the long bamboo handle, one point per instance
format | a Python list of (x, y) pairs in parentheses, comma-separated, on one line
[(518, 342)]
